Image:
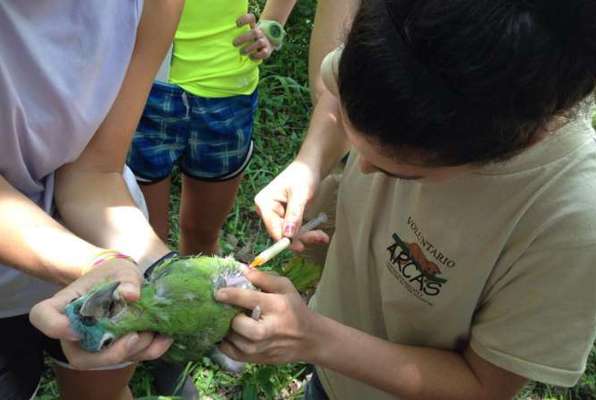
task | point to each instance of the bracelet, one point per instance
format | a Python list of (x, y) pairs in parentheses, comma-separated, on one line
[(105, 256), (274, 31), (149, 270)]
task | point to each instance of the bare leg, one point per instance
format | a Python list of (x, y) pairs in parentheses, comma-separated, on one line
[(157, 196), (204, 208), (94, 385)]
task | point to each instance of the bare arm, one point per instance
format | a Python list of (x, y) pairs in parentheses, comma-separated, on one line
[(282, 202), (278, 10), (37, 244), (85, 190), (254, 43), (326, 142), (90, 193), (332, 22), (95, 203), (412, 373)]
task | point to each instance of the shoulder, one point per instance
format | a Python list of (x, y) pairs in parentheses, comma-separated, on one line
[(330, 70)]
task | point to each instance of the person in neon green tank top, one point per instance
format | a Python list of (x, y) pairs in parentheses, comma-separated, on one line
[(205, 61), (210, 90), (200, 117)]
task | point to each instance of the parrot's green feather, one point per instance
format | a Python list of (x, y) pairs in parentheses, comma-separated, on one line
[(177, 301)]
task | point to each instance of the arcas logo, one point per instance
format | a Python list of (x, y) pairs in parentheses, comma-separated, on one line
[(409, 265)]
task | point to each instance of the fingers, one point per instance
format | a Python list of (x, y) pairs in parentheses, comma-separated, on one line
[(262, 54), (125, 272), (255, 43), (248, 19), (247, 37), (317, 237), (244, 298), (268, 282), (132, 347), (159, 345), (48, 318), (297, 200), (115, 354), (249, 328), (282, 202), (271, 212), (259, 48), (245, 345), (250, 299), (240, 349), (130, 282), (232, 351), (260, 44), (314, 237), (253, 35)]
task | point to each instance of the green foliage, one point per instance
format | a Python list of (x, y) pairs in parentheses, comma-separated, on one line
[(303, 273)]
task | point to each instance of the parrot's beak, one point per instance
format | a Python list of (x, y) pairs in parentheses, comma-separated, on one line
[(103, 303)]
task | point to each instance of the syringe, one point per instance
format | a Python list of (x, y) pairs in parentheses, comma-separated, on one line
[(284, 243)]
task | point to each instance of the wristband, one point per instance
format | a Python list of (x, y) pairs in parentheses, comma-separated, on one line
[(274, 31), (105, 256), (149, 270)]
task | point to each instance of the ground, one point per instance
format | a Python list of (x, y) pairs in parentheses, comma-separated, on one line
[(281, 121)]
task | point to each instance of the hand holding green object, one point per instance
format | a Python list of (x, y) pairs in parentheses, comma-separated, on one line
[(274, 31), (176, 301), (262, 39)]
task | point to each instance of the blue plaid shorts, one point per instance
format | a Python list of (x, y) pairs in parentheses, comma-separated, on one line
[(209, 139)]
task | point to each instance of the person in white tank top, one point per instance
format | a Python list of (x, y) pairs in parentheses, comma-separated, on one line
[(74, 77)]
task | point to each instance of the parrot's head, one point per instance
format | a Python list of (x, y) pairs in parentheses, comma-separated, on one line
[(90, 315), (231, 276)]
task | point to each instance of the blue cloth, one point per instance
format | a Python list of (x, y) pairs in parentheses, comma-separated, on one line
[(209, 138)]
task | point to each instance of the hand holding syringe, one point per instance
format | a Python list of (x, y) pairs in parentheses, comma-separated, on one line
[(284, 243), (222, 359)]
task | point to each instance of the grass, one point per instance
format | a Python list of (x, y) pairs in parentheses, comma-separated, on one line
[(281, 121)]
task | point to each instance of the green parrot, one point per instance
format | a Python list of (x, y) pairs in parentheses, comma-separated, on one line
[(176, 300)]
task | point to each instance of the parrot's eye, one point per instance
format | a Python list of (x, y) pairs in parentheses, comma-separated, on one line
[(88, 321)]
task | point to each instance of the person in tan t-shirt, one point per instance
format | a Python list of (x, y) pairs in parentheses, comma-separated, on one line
[(462, 263), (465, 216)]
